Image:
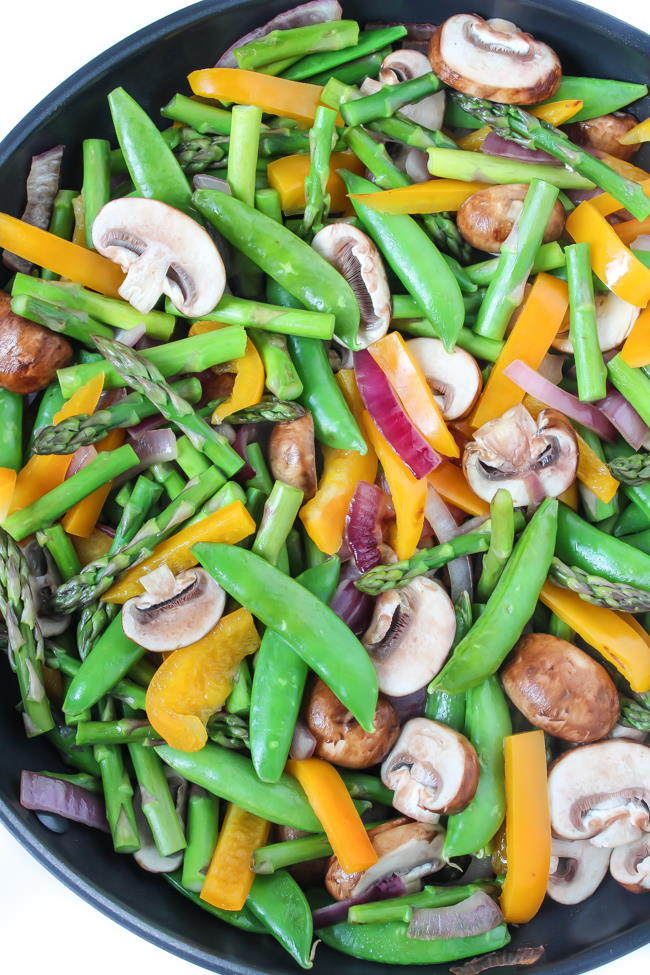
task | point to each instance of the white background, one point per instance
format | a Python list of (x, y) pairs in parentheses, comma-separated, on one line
[(43, 925)]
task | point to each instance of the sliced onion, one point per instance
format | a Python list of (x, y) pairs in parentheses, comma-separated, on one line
[(535, 385), (411, 705), (106, 530), (641, 243), (46, 794), (303, 743), (476, 915), (152, 447), (337, 912), (131, 336), (495, 145), (146, 342), (581, 196), (314, 12), (205, 181), (625, 418), (80, 459), (244, 434), (387, 412), (144, 426), (349, 603), (444, 527), (110, 397), (41, 188), (364, 525)]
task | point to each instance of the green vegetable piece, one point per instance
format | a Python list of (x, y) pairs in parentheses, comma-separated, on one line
[(297, 42), (202, 832), (633, 384), (107, 663), (245, 920), (96, 189), (600, 96), (459, 164), (327, 62), (592, 550), (75, 324), (206, 119), (591, 371), (279, 903), (11, 429), (389, 99), (61, 223)]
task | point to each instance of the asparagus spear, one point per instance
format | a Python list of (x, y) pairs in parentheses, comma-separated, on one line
[(61, 223), (591, 371), (271, 318), (242, 159), (634, 470), (202, 831), (206, 119), (633, 384), (471, 166), (120, 731), (501, 542), (398, 128), (322, 138), (324, 63), (270, 410), (96, 188), (229, 730), (549, 257), (389, 99), (598, 590), (58, 544), (352, 72), (166, 475), (634, 715), (75, 324), (118, 791), (297, 42), (11, 429)]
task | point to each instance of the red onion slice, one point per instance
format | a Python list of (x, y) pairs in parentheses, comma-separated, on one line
[(444, 527), (337, 912), (303, 743), (131, 336), (496, 145), (244, 434), (42, 186), (387, 412), (476, 915), (80, 459), (314, 12), (625, 418), (152, 447), (349, 603), (364, 525), (45, 794), (410, 705)]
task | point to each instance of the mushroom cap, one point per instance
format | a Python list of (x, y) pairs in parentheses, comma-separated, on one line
[(560, 688), (174, 611), (292, 454), (603, 133), (487, 217), (433, 770), (454, 377), (494, 59), (356, 258), (403, 65), (577, 870), (163, 251), (630, 865), (614, 321), (29, 354), (530, 460), (596, 787), (410, 635), (340, 739), (410, 850)]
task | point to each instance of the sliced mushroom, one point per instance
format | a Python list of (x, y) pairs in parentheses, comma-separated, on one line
[(630, 865), (454, 377), (560, 688), (432, 769), (174, 611), (614, 321), (410, 850), (530, 460), (494, 59), (29, 354), (404, 65), (340, 739), (577, 870), (487, 217), (43, 580), (601, 792), (163, 251), (604, 132), (410, 635), (292, 454), (355, 256)]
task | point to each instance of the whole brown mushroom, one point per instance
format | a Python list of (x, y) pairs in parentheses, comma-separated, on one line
[(340, 739), (292, 454), (486, 218), (560, 689), (604, 132), (29, 354)]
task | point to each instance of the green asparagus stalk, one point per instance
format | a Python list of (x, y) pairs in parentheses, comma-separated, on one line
[(112, 731), (270, 318), (595, 509), (361, 785), (482, 348), (230, 730), (634, 715), (398, 128), (118, 791), (50, 404), (591, 371), (633, 384), (268, 410), (634, 470), (401, 908), (190, 460), (471, 166), (61, 223), (62, 736), (201, 154), (157, 803), (123, 690), (169, 479), (325, 63), (82, 779), (66, 321), (501, 542), (549, 257), (202, 832), (242, 157), (96, 188), (322, 138), (352, 72), (11, 429), (280, 512), (206, 119), (267, 201), (389, 99), (58, 544), (279, 45), (277, 856), (560, 629), (262, 478), (598, 590)]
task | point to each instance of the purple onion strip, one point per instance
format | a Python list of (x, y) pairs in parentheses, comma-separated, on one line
[(337, 912), (45, 794)]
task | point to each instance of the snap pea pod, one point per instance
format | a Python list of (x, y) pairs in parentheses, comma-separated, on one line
[(631, 520), (440, 706), (51, 402), (592, 550), (640, 540), (245, 920), (63, 737), (11, 429), (401, 908), (106, 664), (639, 495), (279, 904)]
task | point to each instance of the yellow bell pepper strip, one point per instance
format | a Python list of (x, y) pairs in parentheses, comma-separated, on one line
[(405, 375), (449, 481), (555, 113), (332, 803), (434, 196), (570, 496), (473, 141), (229, 878), (629, 230), (287, 176), (81, 519), (194, 682), (528, 827), (8, 478), (636, 349), (42, 472), (612, 634), (409, 494), (529, 340), (605, 203), (277, 96), (249, 375), (61, 256), (640, 133), (636, 626), (623, 168), (228, 525), (611, 260)]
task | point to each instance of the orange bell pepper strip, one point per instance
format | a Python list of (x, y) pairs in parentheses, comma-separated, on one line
[(612, 634), (277, 96), (81, 519), (636, 350), (332, 803), (249, 375), (473, 141), (228, 526), (409, 495), (606, 203), (528, 826), (287, 176), (529, 340), (623, 168), (629, 230), (59, 255), (640, 133), (555, 113), (42, 472), (194, 682), (450, 483), (8, 478), (611, 260), (434, 196), (405, 375), (229, 878)]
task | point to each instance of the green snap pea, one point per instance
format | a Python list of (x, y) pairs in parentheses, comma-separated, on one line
[(632, 519), (401, 908), (245, 920), (106, 664), (586, 546), (11, 429), (636, 517), (640, 540), (279, 904)]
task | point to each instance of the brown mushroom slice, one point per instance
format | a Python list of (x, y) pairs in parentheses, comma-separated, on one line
[(29, 354), (432, 769), (601, 792), (409, 850), (174, 611), (163, 251), (454, 377), (292, 454), (630, 865), (560, 689), (532, 460), (487, 217), (614, 321), (604, 132), (410, 635), (404, 65), (577, 870), (494, 59), (356, 258), (340, 739)]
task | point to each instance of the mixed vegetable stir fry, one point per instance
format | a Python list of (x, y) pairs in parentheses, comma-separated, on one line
[(325, 486)]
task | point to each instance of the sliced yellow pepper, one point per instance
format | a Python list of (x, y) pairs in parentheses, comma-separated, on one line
[(636, 350), (81, 519), (449, 481), (8, 478), (228, 526), (640, 133), (249, 375), (629, 230), (555, 113), (606, 203), (287, 175), (570, 496), (277, 96), (434, 196), (623, 168), (229, 878)]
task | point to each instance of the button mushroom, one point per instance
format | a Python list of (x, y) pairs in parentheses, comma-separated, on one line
[(494, 59), (174, 611), (576, 871), (530, 460), (601, 792), (410, 635), (561, 689), (630, 865), (404, 65), (163, 251), (292, 454), (410, 850), (432, 769), (604, 132), (29, 354), (355, 257), (486, 218), (340, 739), (614, 321), (454, 377)]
